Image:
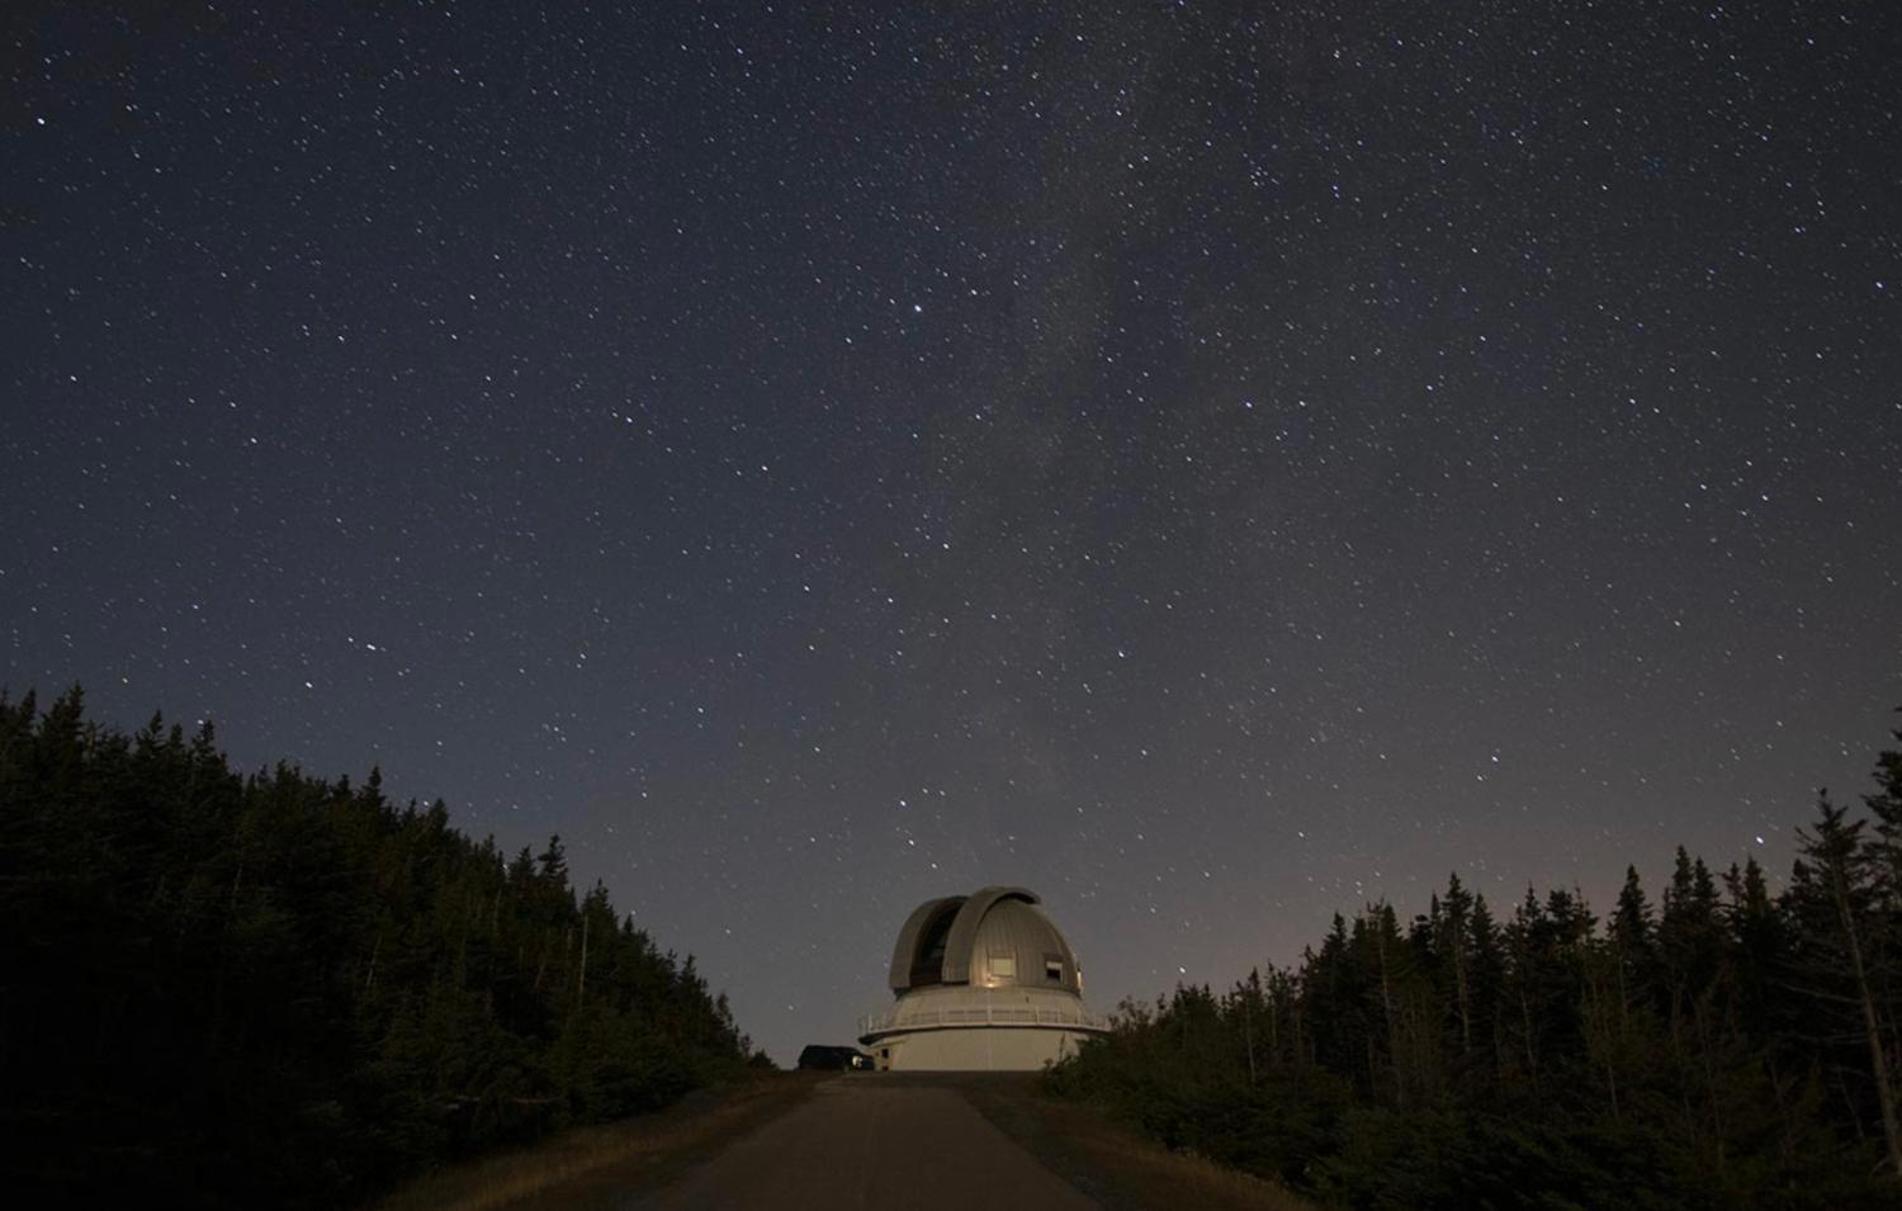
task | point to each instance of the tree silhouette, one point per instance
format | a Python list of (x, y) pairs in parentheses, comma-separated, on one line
[(272, 990), (1733, 1049)]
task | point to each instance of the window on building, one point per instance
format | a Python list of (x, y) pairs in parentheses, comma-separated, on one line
[(1004, 967), (1053, 970)]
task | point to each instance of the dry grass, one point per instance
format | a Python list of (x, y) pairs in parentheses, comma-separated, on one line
[(589, 1165), (1118, 1168)]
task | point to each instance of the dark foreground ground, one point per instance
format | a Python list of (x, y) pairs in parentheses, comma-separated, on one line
[(857, 1140), (866, 1141)]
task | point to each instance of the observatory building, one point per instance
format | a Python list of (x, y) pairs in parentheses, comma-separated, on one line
[(983, 981)]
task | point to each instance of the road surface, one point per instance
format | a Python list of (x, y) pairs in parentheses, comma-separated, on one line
[(872, 1141)]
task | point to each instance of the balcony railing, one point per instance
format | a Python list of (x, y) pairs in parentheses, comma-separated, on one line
[(901, 1018)]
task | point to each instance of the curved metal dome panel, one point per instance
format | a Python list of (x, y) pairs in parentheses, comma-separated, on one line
[(905, 955), (1017, 946), (957, 948)]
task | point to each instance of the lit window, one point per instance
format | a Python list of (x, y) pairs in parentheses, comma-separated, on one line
[(1004, 967)]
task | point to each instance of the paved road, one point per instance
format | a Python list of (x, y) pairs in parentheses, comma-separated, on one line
[(873, 1140)]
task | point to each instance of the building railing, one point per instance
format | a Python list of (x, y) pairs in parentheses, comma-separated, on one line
[(901, 1018)]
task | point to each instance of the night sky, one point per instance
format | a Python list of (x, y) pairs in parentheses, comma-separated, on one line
[(1214, 465)]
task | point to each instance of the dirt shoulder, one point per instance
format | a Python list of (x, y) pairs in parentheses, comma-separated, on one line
[(596, 1167), (1114, 1166)]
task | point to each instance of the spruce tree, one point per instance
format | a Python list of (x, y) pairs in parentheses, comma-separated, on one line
[(1834, 893)]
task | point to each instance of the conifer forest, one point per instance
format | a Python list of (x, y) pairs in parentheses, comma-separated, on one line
[(268, 990), (1713, 1044)]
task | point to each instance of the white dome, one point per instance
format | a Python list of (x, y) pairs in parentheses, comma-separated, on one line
[(995, 938), (982, 981)]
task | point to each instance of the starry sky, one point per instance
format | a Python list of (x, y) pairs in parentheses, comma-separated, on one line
[(1214, 464)]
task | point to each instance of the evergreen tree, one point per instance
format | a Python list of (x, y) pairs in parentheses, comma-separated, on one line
[(277, 991), (1834, 894), (1735, 1049)]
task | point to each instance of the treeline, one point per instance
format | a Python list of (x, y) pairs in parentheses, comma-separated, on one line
[(273, 990), (1723, 1048)]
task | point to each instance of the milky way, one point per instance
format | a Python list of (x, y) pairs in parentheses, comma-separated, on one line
[(1214, 465)]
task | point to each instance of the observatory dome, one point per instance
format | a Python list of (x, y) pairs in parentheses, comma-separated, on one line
[(984, 981), (994, 938)]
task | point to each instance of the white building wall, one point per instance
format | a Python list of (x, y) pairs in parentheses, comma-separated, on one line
[(975, 1049)]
